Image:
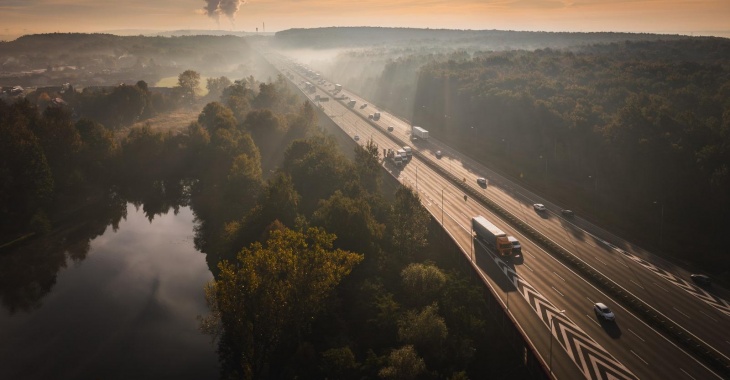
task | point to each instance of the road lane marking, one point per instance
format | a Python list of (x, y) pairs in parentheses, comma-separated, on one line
[(530, 254), (528, 267), (637, 335), (590, 300), (600, 261), (685, 372), (640, 358), (637, 284), (660, 287), (622, 262), (708, 316), (593, 320), (561, 294), (559, 276), (680, 312)]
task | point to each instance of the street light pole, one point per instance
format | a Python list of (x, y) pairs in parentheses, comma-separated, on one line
[(551, 339)]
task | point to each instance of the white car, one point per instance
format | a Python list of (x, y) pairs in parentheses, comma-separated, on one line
[(482, 181), (602, 311), (539, 207)]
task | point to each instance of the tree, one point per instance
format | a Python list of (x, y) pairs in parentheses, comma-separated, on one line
[(351, 220), (189, 81), (422, 282), (267, 298), (408, 225), (216, 116), (403, 364), (216, 86), (368, 166), (426, 331)]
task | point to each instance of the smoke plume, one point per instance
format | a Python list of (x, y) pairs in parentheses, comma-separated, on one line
[(228, 8)]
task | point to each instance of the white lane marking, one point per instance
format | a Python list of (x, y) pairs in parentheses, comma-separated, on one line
[(558, 276), (685, 372), (589, 300), (662, 288), (593, 320), (680, 312), (530, 254), (708, 316), (556, 290), (637, 335), (601, 261), (528, 267), (637, 284), (640, 358), (622, 262)]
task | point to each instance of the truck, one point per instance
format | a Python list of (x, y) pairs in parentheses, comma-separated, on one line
[(491, 235), (408, 152), (394, 157), (419, 132), (403, 155), (322, 98), (376, 116), (351, 103), (338, 87)]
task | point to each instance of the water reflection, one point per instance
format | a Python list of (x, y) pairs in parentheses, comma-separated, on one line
[(108, 302)]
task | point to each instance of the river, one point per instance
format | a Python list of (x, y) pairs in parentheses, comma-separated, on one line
[(126, 307)]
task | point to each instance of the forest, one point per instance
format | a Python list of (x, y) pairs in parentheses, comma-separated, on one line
[(102, 59), (310, 252), (632, 134)]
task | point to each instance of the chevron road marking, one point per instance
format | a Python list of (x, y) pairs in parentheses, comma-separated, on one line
[(592, 359), (714, 301)]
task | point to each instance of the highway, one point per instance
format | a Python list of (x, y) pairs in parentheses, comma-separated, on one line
[(541, 293)]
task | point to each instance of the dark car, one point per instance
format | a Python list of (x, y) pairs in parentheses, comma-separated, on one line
[(390, 128), (701, 279), (438, 154), (568, 213)]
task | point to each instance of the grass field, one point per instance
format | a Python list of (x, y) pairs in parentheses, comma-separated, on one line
[(174, 121), (172, 82)]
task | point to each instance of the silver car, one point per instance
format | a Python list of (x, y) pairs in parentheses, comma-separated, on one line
[(602, 311)]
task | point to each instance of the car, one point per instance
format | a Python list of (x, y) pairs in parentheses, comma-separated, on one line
[(438, 154), (363, 106), (482, 181), (390, 128), (568, 213), (602, 311), (539, 207), (357, 138), (701, 279), (370, 116)]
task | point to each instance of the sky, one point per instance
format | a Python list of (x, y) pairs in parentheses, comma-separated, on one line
[(690, 17)]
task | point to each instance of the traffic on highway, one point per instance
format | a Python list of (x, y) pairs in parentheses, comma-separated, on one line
[(574, 322)]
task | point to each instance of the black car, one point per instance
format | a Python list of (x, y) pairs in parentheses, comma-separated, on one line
[(567, 213), (701, 279)]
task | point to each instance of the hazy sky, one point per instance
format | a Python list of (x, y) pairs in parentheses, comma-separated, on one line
[(701, 17)]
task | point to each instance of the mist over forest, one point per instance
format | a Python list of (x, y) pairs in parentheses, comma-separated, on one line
[(311, 244), (646, 114)]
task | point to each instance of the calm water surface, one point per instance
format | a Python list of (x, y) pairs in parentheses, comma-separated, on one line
[(126, 311)]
